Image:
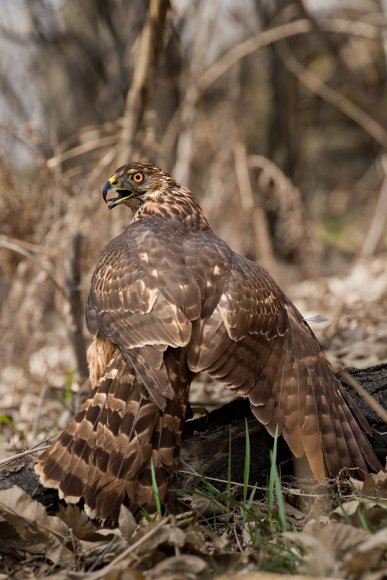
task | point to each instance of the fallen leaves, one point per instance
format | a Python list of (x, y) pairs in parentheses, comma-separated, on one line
[(355, 303), (341, 550), (375, 485), (37, 544), (178, 568), (369, 514), (349, 541), (31, 523)]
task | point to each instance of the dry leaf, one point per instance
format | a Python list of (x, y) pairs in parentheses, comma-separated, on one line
[(126, 523), (179, 568), (326, 552), (320, 560), (128, 574), (341, 549), (270, 576), (30, 520), (77, 520), (207, 506), (377, 575), (168, 534), (375, 484), (356, 484), (314, 525), (356, 510), (368, 554)]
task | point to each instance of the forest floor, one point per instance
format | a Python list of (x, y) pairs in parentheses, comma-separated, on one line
[(338, 530)]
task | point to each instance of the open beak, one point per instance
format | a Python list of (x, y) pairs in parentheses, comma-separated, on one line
[(114, 195)]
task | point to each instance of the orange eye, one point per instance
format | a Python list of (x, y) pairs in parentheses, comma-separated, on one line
[(138, 177)]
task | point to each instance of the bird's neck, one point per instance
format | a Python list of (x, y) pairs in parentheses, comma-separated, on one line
[(178, 205)]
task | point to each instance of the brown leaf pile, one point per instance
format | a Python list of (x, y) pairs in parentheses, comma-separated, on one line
[(34, 544), (349, 543), (356, 304)]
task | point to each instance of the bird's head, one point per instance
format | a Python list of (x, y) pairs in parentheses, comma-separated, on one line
[(134, 184)]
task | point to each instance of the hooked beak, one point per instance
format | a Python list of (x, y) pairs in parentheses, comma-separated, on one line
[(114, 195)]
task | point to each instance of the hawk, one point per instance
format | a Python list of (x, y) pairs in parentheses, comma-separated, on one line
[(168, 300)]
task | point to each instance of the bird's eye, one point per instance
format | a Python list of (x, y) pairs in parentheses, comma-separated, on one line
[(138, 177)]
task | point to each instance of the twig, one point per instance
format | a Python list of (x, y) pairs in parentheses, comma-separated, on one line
[(382, 413), (281, 32), (237, 538), (137, 98), (286, 198), (370, 178), (194, 473), (371, 106), (81, 150), (22, 247), (75, 329), (289, 490), (36, 449), (27, 145), (102, 555), (31, 251), (38, 411), (251, 45), (101, 166), (263, 245), (205, 23), (378, 221), (319, 87), (124, 555)]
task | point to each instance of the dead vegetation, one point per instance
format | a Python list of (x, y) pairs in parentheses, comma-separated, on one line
[(275, 116), (291, 530)]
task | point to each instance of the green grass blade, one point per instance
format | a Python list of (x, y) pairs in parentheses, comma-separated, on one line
[(270, 488), (275, 490), (155, 490), (228, 488), (246, 475)]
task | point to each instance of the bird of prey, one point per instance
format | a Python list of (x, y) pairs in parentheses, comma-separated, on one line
[(168, 300)]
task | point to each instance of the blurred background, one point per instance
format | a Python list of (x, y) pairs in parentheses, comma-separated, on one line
[(272, 111)]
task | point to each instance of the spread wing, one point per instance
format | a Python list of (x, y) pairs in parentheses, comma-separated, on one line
[(258, 344), (143, 299)]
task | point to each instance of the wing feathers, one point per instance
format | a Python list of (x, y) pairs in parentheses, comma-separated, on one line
[(259, 345), (104, 455)]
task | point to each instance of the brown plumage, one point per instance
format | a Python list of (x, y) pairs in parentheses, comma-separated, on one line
[(168, 300)]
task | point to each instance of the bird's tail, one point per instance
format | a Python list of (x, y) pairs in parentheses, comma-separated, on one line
[(105, 454)]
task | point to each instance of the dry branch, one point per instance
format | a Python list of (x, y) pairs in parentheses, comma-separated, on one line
[(373, 404), (251, 45), (82, 149), (263, 246), (184, 148), (292, 228), (369, 105), (76, 306), (137, 98), (34, 253), (277, 34), (338, 100), (378, 221)]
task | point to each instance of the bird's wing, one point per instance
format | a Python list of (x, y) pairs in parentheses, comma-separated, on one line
[(259, 345), (143, 299)]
